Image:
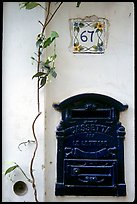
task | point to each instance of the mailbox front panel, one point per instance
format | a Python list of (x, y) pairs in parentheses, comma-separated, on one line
[(90, 151)]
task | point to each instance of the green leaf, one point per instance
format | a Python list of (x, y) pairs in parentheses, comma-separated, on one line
[(38, 42), (50, 59), (47, 42), (50, 39), (38, 74), (54, 35), (29, 5), (33, 58), (78, 4), (23, 5), (40, 39), (43, 81), (53, 73), (10, 169), (44, 65)]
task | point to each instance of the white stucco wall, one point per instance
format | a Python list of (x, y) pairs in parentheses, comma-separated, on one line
[(20, 28), (111, 74)]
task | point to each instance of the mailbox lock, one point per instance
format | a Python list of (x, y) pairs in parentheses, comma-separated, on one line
[(76, 170)]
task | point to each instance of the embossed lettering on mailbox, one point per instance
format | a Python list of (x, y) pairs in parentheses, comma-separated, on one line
[(90, 150)]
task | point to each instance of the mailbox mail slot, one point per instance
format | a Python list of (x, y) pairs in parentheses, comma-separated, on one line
[(90, 150)]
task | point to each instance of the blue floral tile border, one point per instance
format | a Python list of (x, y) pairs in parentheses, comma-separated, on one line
[(89, 35)]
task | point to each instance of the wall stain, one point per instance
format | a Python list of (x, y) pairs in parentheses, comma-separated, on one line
[(43, 166)]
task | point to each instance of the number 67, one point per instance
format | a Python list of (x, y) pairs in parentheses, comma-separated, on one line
[(84, 38)]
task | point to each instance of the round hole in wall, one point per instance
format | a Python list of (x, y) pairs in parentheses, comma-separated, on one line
[(20, 188)]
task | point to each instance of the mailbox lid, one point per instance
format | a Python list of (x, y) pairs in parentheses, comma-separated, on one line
[(90, 100)]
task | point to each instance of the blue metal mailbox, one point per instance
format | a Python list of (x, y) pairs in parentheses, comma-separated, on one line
[(90, 149)]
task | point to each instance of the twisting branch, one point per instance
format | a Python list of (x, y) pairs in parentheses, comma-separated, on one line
[(42, 42), (48, 12), (38, 103), (29, 180), (32, 160), (47, 20), (27, 142), (40, 23), (53, 14)]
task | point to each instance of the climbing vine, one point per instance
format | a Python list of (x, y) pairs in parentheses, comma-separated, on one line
[(45, 70)]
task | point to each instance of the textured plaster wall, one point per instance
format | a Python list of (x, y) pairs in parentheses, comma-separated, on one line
[(19, 105), (111, 74)]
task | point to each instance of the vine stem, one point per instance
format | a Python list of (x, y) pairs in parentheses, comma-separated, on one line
[(32, 160), (38, 68), (53, 15), (25, 174), (47, 21)]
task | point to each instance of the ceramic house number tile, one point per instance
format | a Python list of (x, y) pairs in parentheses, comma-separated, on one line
[(89, 35)]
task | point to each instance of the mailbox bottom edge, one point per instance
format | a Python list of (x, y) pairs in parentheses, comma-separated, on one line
[(62, 190)]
